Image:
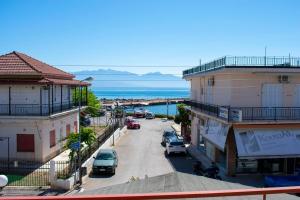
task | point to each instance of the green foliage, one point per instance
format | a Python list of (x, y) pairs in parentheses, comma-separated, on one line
[(72, 138), (182, 116), (87, 136), (93, 102)]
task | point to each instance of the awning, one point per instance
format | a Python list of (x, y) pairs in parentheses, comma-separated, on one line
[(215, 132), (267, 143)]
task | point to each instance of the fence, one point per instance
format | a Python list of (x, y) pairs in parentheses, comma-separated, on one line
[(31, 173), (87, 152)]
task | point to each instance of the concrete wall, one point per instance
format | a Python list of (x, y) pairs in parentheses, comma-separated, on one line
[(241, 88), (40, 127)]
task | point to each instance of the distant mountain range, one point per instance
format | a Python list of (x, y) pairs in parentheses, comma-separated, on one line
[(112, 78)]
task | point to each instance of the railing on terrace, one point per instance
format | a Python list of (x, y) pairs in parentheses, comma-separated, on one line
[(245, 61), (36, 109), (262, 192), (247, 113)]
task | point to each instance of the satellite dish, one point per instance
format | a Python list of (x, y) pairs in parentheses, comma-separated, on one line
[(3, 180)]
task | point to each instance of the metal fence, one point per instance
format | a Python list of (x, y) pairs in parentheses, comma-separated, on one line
[(31, 173), (246, 61), (87, 152), (247, 113), (36, 109)]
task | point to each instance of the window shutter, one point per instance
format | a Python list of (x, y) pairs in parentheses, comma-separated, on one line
[(25, 142)]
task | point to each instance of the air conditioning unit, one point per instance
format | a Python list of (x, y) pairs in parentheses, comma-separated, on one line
[(211, 81), (283, 79)]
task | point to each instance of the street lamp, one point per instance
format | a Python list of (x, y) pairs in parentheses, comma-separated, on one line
[(88, 79)]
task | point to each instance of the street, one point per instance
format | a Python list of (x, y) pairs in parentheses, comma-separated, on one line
[(140, 154)]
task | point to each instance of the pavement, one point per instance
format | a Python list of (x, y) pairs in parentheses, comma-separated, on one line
[(140, 154)]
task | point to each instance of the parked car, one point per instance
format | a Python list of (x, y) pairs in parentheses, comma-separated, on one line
[(282, 181), (85, 121), (133, 124), (167, 133), (175, 145), (106, 161), (139, 112), (149, 115)]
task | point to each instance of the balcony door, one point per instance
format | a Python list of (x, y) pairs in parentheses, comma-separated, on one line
[(272, 98), (272, 95), (297, 95), (45, 100)]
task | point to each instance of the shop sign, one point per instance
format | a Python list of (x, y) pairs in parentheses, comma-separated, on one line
[(267, 143), (223, 112), (236, 115)]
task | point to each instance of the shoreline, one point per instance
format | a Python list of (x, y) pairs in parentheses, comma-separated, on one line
[(141, 102)]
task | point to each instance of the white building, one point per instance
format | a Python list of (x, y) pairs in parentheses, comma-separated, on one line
[(245, 113), (37, 111)]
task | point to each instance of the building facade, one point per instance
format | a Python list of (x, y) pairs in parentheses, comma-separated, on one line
[(37, 108), (246, 113)]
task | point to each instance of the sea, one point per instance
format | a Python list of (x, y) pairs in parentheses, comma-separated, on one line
[(145, 93)]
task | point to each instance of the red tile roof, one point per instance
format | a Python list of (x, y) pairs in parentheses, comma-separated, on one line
[(16, 63)]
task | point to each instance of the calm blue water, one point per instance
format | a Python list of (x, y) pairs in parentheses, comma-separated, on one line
[(140, 93), (145, 93), (160, 109)]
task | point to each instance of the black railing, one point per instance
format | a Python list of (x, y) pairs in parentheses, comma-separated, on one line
[(36, 109), (31, 173), (246, 113), (246, 61)]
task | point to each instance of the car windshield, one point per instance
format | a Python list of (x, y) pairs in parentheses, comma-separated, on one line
[(105, 156), (176, 143)]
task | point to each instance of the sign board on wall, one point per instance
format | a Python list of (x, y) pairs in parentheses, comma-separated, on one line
[(236, 115), (267, 143), (223, 112), (215, 132)]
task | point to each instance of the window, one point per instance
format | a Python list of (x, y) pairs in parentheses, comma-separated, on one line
[(68, 130), (75, 127), (52, 138), (25, 142)]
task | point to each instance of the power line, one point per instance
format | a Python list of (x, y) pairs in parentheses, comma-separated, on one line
[(133, 66)]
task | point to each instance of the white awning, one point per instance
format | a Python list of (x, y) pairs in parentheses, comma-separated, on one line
[(215, 132), (267, 143)]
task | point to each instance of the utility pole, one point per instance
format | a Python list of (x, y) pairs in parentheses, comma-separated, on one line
[(167, 108)]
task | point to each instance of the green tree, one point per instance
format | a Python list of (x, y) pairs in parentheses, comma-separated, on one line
[(87, 136), (93, 102), (72, 138), (183, 118)]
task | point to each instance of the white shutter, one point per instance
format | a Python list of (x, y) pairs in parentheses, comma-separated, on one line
[(297, 95), (272, 95)]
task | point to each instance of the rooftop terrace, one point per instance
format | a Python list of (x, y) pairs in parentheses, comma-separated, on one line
[(245, 62)]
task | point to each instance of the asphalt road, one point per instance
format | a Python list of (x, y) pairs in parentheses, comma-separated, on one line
[(141, 154)]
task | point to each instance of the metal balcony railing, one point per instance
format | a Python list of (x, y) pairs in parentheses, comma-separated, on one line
[(262, 192), (36, 109), (247, 113), (246, 61)]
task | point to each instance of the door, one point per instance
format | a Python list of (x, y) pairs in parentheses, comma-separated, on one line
[(297, 102), (272, 96), (45, 100)]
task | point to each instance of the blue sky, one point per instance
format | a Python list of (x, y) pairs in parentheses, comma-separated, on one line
[(147, 32)]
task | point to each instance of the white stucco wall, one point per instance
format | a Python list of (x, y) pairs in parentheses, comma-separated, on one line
[(242, 88), (40, 127)]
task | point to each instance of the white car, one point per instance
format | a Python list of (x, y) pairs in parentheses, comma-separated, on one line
[(175, 145)]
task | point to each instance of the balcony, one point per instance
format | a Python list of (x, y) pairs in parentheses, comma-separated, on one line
[(37, 109), (247, 113), (245, 61)]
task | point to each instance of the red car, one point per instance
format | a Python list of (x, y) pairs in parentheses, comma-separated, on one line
[(133, 124)]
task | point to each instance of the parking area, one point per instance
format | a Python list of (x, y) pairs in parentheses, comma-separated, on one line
[(141, 154)]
